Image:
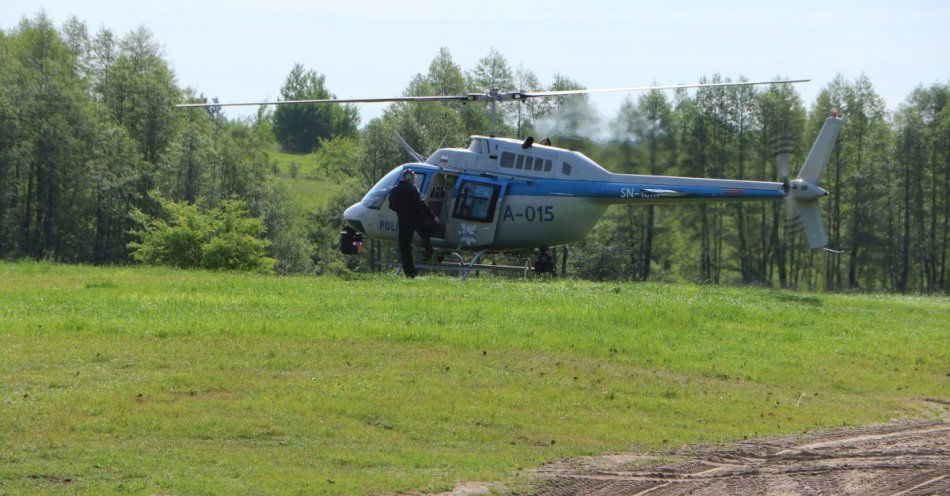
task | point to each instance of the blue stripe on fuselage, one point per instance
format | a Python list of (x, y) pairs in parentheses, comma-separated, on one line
[(611, 190)]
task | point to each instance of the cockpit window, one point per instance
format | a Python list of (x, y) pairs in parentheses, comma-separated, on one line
[(375, 197)]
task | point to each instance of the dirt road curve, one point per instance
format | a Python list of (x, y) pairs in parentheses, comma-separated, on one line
[(910, 458)]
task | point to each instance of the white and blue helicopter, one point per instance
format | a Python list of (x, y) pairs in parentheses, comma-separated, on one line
[(504, 195)]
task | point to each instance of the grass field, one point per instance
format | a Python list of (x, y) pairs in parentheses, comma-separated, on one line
[(161, 381)]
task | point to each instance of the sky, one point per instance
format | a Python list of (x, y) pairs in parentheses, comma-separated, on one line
[(242, 50)]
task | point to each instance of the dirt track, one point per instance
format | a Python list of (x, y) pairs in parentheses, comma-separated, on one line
[(908, 458)]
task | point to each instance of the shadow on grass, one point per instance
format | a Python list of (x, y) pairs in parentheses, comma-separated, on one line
[(783, 296)]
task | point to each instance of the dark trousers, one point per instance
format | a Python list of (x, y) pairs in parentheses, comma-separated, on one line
[(407, 228)]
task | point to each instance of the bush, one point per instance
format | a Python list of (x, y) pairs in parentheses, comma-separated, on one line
[(222, 238), (284, 223)]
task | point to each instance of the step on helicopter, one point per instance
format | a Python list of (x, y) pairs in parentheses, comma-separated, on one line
[(521, 197)]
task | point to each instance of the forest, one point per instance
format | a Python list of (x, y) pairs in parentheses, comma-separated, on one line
[(91, 147)]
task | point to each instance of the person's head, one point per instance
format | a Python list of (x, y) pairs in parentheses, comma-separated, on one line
[(408, 175)]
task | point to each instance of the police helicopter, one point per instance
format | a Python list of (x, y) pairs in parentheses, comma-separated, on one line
[(513, 196)]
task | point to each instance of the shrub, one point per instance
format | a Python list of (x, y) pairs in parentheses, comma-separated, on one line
[(223, 238)]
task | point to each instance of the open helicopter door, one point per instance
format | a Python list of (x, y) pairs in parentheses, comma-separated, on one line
[(475, 211), (439, 199)]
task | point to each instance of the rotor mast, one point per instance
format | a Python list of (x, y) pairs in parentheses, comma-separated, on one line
[(494, 96)]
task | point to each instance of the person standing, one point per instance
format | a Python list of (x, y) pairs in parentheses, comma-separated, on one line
[(414, 216)]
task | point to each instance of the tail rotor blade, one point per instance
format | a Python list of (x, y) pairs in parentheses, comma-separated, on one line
[(782, 145), (790, 209), (781, 165)]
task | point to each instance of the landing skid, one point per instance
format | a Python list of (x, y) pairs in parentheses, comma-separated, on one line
[(459, 265)]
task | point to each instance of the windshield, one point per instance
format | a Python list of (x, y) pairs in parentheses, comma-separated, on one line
[(375, 197)]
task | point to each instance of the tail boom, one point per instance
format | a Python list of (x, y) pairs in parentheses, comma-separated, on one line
[(631, 188)]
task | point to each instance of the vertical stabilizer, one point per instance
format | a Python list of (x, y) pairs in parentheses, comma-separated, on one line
[(820, 151), (807, 211), (804, 191)]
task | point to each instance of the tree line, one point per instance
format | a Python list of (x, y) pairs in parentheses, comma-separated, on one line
[(888, 176), (89, 134)]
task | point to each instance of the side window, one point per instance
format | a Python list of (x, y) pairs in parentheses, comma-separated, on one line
[(476, 201), (547, 166), (520, 163), (538, 164), (507, 159), (566, 169), (420, 179)]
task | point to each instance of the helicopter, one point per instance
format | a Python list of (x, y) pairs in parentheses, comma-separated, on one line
[(513, 196)]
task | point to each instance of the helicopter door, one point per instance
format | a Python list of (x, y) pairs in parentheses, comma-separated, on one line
[(475, 211), (439, 201)]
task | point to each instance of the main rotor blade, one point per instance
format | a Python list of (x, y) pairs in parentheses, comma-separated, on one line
[(434, 98), (494, 95), (532, 94)]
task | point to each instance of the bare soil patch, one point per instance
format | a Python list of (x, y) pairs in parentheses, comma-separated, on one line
[(902, 458)]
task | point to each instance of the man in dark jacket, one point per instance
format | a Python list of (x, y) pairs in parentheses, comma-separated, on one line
[(414, 215)]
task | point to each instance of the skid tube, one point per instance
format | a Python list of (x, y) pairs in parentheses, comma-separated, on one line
[(466, 268)]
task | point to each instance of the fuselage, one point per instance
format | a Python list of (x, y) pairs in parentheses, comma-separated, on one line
[(501, 195)]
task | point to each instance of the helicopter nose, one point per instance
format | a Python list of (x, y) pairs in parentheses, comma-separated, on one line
[(353, 216)]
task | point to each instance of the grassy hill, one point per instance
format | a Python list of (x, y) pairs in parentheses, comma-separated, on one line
[(310, 193), (304, 178), (165, 381)]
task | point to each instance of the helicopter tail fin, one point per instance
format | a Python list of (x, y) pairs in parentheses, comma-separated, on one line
[(807, 216), (804, 191), (821, 150)]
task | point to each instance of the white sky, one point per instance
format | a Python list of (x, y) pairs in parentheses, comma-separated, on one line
[(240, 50)]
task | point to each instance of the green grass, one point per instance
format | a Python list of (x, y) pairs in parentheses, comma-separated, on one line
[(307, 163), (309, 189), (160, 381), (310, 193)]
